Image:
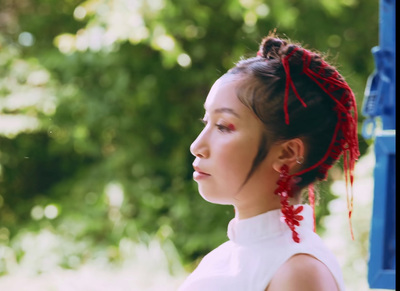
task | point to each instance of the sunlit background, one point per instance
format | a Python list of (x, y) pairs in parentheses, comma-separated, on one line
[(99, 102)]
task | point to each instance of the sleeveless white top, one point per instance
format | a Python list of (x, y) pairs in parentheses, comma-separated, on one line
[(257, 247)]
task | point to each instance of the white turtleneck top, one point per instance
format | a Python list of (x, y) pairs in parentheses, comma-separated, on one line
[(256, 248)]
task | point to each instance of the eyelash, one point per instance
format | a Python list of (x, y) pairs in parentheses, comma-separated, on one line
[(221, 128)]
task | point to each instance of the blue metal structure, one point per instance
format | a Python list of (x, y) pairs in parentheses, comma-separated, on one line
[(379, 108)]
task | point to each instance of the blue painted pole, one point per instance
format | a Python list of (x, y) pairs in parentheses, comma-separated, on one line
[(379, 108)]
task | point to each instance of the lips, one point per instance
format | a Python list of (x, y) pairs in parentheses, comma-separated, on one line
[(199, 174), (197, 169)]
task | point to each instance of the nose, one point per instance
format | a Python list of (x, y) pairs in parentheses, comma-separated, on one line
[(199, 148)]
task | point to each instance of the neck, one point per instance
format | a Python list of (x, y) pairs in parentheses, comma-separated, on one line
[(243, 211)]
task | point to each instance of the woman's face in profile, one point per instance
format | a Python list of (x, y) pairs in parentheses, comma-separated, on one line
[(227, 146)]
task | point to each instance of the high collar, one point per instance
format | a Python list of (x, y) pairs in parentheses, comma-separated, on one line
[(265, 225)]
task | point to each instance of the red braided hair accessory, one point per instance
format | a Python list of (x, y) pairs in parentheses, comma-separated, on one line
[(344, 140)]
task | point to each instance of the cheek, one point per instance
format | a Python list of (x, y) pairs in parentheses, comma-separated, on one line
[(232, 161), (236, 159)]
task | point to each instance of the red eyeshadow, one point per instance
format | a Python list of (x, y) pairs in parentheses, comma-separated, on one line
[(231, 126)]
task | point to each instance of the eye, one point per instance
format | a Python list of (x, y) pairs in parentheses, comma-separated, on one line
[(220, 126), (225, 128)]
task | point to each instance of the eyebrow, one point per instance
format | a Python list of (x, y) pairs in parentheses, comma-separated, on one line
[(226, 110)]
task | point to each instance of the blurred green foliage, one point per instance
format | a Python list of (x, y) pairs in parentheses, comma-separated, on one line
[(100, 101)]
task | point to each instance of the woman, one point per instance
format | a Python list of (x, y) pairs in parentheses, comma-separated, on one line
[(274, 124)]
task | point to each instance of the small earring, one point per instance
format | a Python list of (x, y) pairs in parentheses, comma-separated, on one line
[(300, 160)]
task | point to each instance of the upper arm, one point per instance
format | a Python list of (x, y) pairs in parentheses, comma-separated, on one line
[(303, 272)]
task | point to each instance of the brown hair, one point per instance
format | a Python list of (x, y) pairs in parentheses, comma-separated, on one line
[(287, 82)]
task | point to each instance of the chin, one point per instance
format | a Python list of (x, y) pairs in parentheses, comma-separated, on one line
[(215, 199)]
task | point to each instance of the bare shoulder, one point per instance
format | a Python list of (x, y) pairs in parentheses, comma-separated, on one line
[(303, 272)]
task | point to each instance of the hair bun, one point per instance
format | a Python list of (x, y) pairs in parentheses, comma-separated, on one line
[(270, 47)]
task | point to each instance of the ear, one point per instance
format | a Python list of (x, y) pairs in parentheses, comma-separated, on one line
[(288, 153)]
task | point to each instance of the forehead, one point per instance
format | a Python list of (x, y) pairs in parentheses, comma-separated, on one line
[(223, 94)]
